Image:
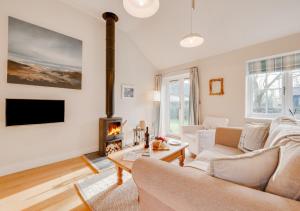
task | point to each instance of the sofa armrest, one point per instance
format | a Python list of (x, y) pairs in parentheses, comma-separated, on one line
[(228, 136), (177, 188), (191, 128)]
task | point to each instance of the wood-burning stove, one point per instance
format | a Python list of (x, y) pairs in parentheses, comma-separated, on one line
[(110, 134)]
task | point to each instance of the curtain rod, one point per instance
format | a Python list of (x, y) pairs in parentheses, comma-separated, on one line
[(183, 70)]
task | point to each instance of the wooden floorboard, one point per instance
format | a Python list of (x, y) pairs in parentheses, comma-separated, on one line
[(49, 187)]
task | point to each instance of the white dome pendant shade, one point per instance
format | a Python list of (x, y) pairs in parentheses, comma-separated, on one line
[(193, 39), (141, 8)]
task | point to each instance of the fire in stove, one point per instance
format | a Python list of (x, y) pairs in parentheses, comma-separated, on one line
[(114, 129)]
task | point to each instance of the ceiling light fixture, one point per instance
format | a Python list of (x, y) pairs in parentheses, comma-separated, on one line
[(141, 8), (192, 39)]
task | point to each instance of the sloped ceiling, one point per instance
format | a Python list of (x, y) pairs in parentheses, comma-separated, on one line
[(225, 24)]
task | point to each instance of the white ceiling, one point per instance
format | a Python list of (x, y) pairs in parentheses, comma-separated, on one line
[(225, 24)]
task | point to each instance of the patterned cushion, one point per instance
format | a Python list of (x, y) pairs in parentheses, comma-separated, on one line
[(253, 137)]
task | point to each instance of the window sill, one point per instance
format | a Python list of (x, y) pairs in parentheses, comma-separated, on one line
[(263, 119), (258, 119)]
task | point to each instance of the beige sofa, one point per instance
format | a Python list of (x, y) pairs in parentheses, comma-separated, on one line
[(167, 187)]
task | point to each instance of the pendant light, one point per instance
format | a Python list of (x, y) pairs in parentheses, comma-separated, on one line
[(141, 8), (192, 39)]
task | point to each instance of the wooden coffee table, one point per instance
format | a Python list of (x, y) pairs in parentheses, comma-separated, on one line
[(175, 152)]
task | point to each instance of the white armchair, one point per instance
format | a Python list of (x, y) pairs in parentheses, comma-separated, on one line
[(202, 136)]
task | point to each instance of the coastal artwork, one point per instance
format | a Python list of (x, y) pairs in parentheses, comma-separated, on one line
[(40, 57), (127, 91)]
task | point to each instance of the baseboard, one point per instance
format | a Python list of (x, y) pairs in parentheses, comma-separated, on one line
[(21, 166)]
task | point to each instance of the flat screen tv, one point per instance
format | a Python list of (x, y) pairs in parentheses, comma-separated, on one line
[(27, 112)]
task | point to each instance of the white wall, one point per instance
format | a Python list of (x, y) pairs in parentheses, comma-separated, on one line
[(231, 66), (25, 147)]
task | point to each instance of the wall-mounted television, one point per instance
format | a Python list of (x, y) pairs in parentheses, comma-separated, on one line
[(28, 111)]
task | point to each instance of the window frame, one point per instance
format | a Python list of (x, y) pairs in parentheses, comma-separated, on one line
[(287, 95)]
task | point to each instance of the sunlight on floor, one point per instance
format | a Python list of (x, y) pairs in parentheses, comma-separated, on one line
[(53, 194)]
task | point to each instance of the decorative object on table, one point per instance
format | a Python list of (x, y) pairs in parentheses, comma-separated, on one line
[(138, 135), (147, 138), (216, 86), (160, 144), (128, 91), (161, 138), (41, 57), (174, 142)]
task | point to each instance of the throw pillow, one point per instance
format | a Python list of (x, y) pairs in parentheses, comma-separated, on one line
[(253, 137), (286, 179), (252, 169)]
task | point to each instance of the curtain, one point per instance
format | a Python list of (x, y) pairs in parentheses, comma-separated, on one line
[(157, 103), (194, 96), (275, 64)]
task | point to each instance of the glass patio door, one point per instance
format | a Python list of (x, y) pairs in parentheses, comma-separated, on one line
[(178, 95)]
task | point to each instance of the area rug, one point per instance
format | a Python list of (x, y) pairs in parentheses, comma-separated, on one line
[(101, 193)]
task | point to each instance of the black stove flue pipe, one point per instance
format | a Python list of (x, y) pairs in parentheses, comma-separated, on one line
[(110, 19)]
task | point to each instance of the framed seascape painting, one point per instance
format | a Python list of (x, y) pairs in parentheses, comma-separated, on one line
[(38, 56), (128, 91)]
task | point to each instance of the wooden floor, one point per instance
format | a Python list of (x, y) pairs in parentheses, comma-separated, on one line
[(48, 187)]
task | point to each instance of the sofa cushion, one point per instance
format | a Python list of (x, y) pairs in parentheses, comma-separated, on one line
[(253, 136), (252, 169), (202, 161), (224, 150), (286, 179)]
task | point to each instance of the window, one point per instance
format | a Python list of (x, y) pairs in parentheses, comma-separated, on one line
[(273, 86), (176, 103)]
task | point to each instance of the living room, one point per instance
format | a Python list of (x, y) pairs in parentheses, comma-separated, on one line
[(197, 80)]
